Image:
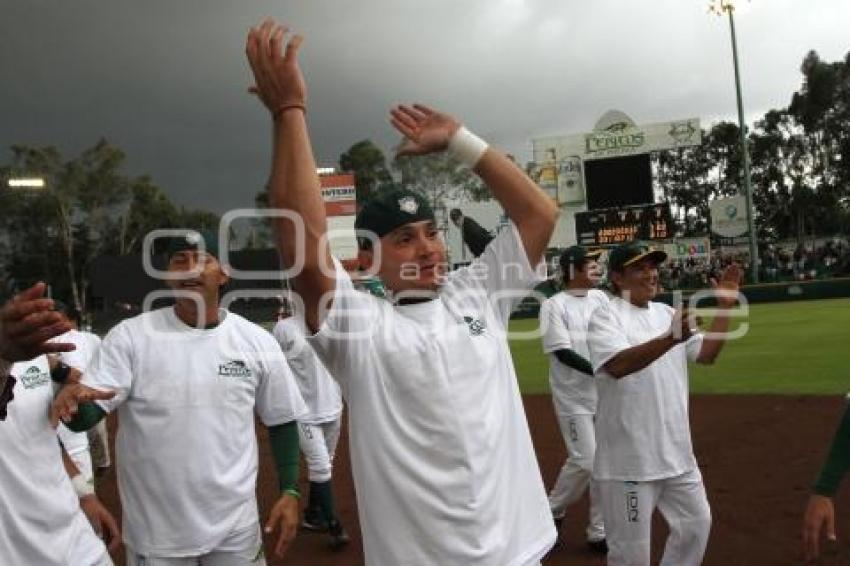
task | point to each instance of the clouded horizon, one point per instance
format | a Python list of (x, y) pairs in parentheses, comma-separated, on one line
[(166, 81)]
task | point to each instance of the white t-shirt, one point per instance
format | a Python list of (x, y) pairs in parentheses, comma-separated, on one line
[(564, 318), (642, 427), (40, 517), (443, 464), (86, 345), (186, 446), (319, 390)]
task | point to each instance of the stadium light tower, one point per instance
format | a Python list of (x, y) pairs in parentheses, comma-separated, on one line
[(720, 7)]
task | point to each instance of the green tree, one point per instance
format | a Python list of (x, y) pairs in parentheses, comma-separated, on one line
[(367, 162), (76, 204), (88, 208)]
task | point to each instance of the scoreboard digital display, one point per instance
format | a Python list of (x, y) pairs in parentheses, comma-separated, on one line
[(611, 226)]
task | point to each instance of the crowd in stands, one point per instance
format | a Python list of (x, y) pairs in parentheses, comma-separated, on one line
[(777, 264)]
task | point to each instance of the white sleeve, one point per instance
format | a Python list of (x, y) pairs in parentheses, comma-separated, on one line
[(605, 338), (278, 399), (693, 345), (553, 324), (348, 324), (503, 272), (282, 332), (112, 367)]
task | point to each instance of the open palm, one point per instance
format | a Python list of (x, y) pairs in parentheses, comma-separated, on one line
[(425, 130)]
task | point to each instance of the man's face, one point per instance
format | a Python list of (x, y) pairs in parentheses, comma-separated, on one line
[(413, 258), (638, 282), (208, 276), (591, 273)]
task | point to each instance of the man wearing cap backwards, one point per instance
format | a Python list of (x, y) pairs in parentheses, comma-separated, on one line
[(639, 351), (188, 380), (442, 459), (564, 319)]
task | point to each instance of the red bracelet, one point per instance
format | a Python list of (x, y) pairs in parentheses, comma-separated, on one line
[(289, 106)]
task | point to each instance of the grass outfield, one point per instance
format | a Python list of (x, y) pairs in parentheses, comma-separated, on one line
[(795, 347)]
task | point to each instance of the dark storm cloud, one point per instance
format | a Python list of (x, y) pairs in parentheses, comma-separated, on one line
[(166, 80)]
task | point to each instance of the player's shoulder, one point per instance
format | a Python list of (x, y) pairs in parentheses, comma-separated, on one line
[(137, 324), (599, 295), (662, 309)]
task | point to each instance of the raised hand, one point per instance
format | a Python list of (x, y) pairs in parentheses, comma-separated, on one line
[(278, 80), (424, 130), (27, 323), (726, 289)]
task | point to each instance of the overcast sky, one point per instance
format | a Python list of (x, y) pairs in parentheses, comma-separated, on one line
[(166, 79)]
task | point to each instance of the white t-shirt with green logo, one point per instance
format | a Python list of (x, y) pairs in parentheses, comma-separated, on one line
[(642, 427), (564, 318), (442, 459), (186, 446), (319, 390), (41, 521)]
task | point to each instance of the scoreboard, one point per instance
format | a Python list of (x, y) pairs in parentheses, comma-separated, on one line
[(612, 226)]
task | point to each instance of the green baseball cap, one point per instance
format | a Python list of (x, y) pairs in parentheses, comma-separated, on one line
[(577, 255), (630, 253), (390, 209), (193, 240)]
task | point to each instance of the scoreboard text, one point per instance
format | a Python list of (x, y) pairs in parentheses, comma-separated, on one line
[(611, 226)]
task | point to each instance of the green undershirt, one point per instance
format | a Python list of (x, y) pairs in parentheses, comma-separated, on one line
[(577, 362), (286, 450), (88, 415), (837, 462)]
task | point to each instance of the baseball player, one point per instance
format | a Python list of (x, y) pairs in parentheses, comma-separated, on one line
[(318, 429), (42, 521), (188, 380), (93, 448), (77, 444), (639, 351), (27, 323), (564, 319), (820, 511), (442, 459)]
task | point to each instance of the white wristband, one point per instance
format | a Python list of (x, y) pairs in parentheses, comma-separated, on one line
[(82, 487), (467, 147)]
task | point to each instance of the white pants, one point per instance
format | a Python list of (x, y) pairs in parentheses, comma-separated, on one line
[(318, 444), (575, 476), (241, 548), (628, 506)]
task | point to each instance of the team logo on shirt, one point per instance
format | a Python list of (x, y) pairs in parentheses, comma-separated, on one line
[(476, 325), (34, 377), (236, 368)]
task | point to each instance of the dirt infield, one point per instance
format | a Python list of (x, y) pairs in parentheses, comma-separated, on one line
[(758, 455)]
